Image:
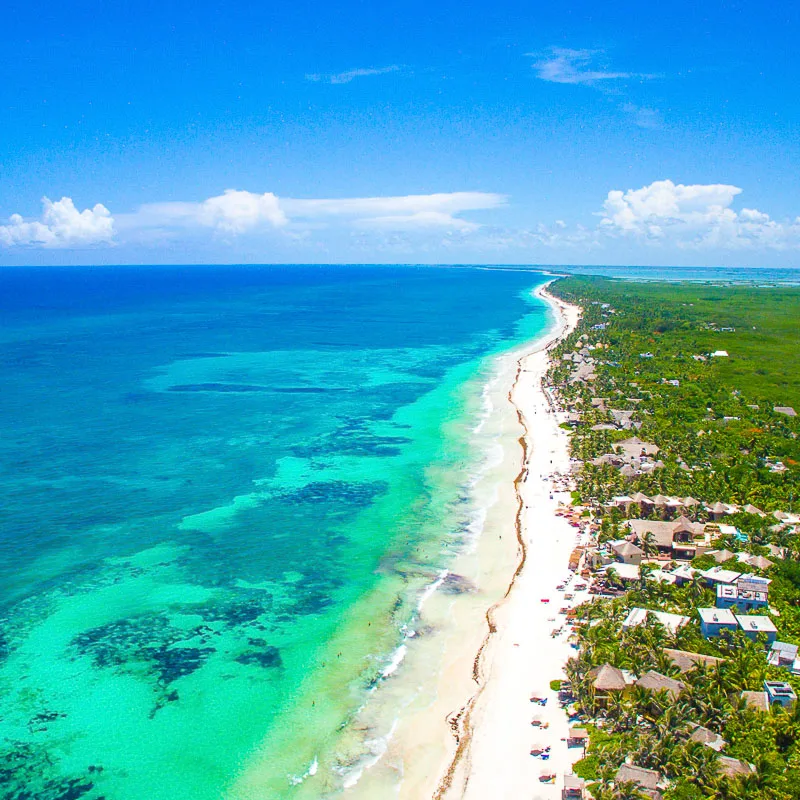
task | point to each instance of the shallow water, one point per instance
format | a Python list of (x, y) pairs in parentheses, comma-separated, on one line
[(224, 489)]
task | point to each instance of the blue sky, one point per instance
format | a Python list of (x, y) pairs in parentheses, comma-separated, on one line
[(441, 132)]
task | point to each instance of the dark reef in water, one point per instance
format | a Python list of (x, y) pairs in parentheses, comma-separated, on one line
[(26, 773), (268, 657), (337, 491), (219, 387), (151, 640)]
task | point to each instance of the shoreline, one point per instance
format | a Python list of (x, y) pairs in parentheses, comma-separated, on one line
[(437, 717), (483, 737)]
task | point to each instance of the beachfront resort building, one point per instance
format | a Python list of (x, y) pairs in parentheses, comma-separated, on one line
[(607, 682), (747, 594), (754, 626), (713, 621), (626, 552), (679, 539), (638, 616)]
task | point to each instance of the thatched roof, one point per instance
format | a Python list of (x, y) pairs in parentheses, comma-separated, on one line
[(687, 661), (607, 678), (683, 523), (777, 552), (707, 737), (656, 682), (721, 556), (760, 562), (646, 778), (733, 767), (626, 548), (751, 509), (756, 700)]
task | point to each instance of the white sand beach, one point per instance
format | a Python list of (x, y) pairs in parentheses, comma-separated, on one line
[(466, 731), (523, 656)]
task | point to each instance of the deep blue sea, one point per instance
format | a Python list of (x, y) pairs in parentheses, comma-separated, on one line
[(222, 490)]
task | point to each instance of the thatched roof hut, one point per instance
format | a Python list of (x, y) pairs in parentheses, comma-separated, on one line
[(607, 679)]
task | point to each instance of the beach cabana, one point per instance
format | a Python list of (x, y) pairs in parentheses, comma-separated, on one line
[(775, 551), (683, 574), (690, 503), (639, 616), (626, 552), (717, 511), (607, 681), (624, 572), (578, 737), (574, 788)]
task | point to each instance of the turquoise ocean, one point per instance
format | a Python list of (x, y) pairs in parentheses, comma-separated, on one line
[(224, 490)]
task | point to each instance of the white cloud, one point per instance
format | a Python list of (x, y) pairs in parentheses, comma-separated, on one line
[(238, 212), (352, 74), (418, 220), (695, 215), (61, 225), (398, 211), (564, 65), (664, 215)]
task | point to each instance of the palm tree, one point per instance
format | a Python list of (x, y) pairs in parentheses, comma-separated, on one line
[(702, 763), (649, 547), (612, 577), (628, 790)]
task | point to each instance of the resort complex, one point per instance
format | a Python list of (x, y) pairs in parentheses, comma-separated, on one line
[(682, 608)]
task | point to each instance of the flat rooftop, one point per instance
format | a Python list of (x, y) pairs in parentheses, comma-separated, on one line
[(717, 616)]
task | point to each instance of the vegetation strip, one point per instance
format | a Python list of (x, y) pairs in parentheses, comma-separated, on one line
[(681, 399)]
